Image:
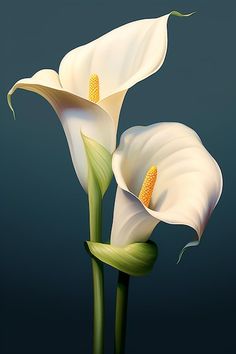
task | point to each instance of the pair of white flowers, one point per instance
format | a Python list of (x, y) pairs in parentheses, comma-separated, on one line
[(163, 171)]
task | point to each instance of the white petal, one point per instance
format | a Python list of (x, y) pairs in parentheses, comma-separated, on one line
[(112, 105), (120, 58), (44, 82), (131, 222), (189, 182), (76, 115)]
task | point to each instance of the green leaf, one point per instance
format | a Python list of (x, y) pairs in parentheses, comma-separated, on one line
[(99, 162), (135, 259)]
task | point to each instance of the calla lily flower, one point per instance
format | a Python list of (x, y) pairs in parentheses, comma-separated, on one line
[(88, 91), (164, 173)]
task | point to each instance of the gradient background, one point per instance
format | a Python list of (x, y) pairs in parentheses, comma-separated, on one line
[(44, 271)]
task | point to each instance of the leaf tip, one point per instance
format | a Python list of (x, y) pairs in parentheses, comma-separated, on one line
[(86, 245), (179, 14)]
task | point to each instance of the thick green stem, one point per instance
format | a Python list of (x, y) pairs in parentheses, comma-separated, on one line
[(98, 310), (95, 222), (121, 312)]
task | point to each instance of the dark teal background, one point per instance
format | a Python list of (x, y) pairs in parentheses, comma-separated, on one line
[(44, 271)]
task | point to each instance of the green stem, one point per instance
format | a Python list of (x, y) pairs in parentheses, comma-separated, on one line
[(121, 312), (95, 222)]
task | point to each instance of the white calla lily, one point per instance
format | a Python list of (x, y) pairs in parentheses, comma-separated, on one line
[(101, 71), (186, 190), (77, 116)]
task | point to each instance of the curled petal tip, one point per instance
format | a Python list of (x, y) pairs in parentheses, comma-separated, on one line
[(179, 14), (190, 244), (10, 104)]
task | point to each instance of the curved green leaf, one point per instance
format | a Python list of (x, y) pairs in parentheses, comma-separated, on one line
[(135, 259), (99, 162)]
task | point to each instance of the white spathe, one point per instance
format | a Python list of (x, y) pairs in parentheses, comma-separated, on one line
[(120, 58), (188, 186), (76, 115)]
